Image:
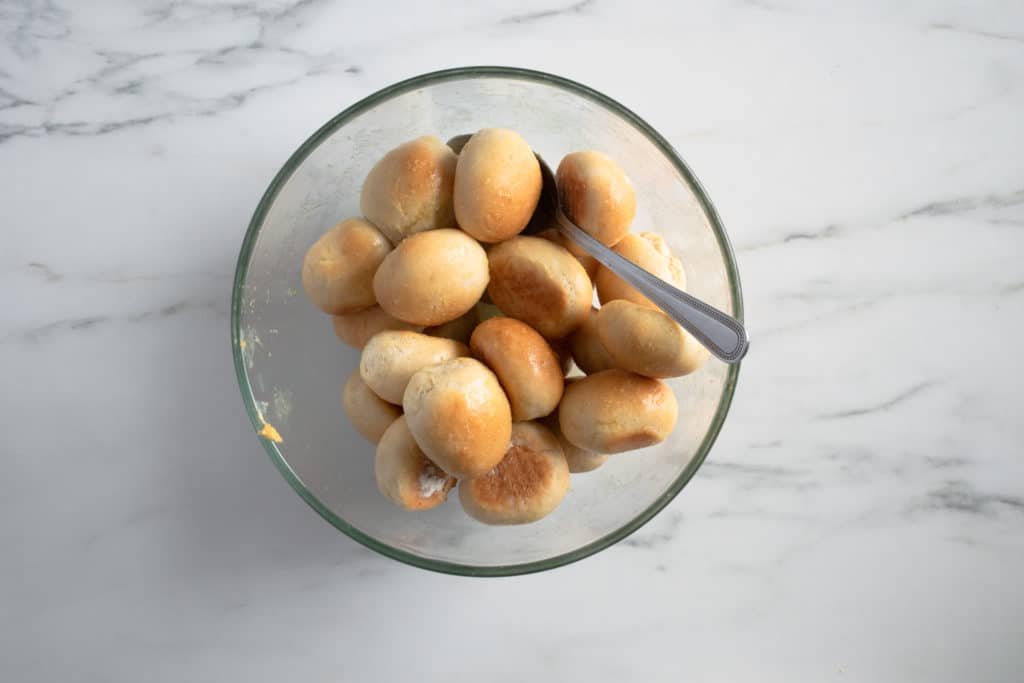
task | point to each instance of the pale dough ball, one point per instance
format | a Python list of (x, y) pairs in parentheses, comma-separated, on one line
[(432, 277), (338, 270), (405, 475), (579, 459), (596, 195), (355, 329), (497, 185), (587, 349), (410, 189), (646, 341), (368, 413), (527, 367), (391, 357), (541, 284), (615, 411), (527, 485), (459, 416), (649, 251)]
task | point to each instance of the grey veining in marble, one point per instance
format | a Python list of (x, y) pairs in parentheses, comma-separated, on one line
[(861, 517)]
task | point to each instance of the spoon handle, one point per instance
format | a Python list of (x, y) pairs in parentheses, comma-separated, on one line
[(724, 336)]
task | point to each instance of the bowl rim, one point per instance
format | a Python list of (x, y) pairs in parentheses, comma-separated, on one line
[(300, 155)]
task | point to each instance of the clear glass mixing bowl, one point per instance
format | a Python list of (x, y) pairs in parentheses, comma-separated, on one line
[(291, 367)]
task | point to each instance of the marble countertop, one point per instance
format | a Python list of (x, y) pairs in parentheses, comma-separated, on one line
[(861, 517)]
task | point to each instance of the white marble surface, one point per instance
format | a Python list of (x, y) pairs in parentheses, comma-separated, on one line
[(860, 519)]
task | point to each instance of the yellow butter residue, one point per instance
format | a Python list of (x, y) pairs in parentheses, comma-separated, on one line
[(269, 432)]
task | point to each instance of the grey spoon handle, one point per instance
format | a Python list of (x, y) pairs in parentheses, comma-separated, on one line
[(724, 336)]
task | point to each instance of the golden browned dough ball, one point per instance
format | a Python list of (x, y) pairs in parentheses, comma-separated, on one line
[(497, 185), (355, 329), (527, 367), (338, 270), (391, 357), (579, 459), (410, 189), (529, 482), (587, 349), (459, 329), (589, 263), (405, 475), (432, 277), (649, 251), (596, 195), (646, 341), (459, 416), (541, 284), (615, 411), (368, 413)]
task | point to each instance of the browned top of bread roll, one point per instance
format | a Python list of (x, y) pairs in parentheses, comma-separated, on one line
[(596, 195), (529, 482), (432, 277), (540, 283), (528, 368), (337, 272), (646, 341), (459, 415), (497, 185), (410, 189), (615, 411)]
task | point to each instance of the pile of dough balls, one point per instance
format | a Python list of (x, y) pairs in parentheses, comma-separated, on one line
[(469, 330)]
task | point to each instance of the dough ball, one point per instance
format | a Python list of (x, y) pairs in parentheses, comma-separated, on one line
[(541, 284), (355, 329), (369, 414), (529, 482), (338, 270), (596, 195), (390, 358), (459, 416), (405, 475), (410, 189), (497, 185), (649, 251), (527, 367), (432, 277), (646, 341), (587, 349), (615, 411)]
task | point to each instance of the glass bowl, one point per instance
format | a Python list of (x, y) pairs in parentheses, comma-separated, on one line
[(291, 367)]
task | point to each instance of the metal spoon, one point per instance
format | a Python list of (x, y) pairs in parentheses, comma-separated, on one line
[(724, 336)]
